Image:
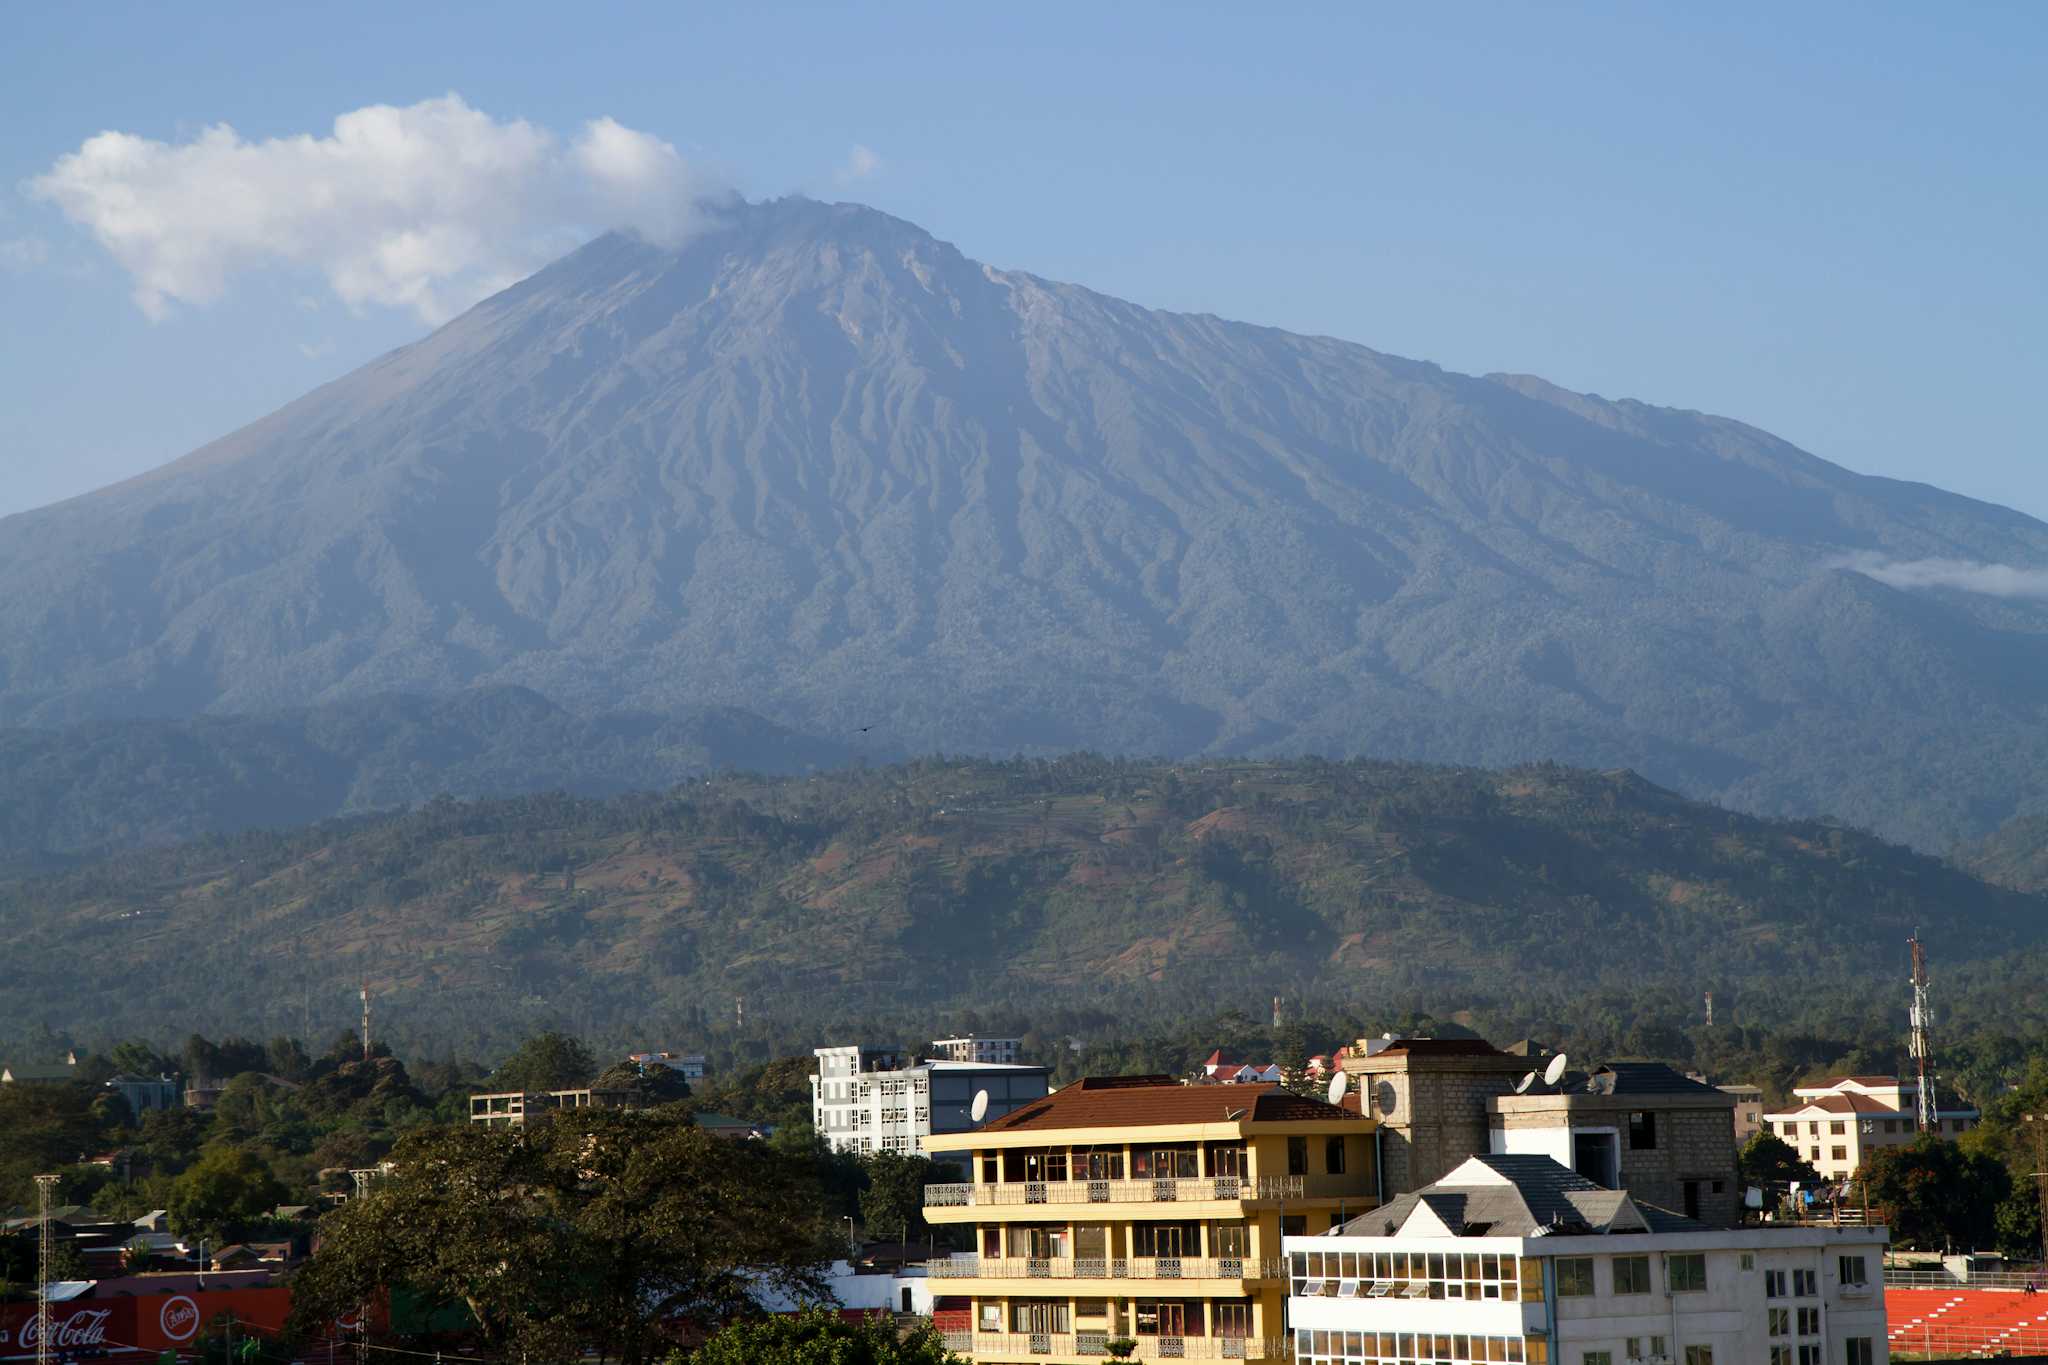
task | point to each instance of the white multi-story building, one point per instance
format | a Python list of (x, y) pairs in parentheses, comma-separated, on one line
[(1517, 1258), (1839, 1122), (866, 1099), (972, 1049)]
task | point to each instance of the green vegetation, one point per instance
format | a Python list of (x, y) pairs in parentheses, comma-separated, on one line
[(1092, 896), (587, 1232), (820, 1338)]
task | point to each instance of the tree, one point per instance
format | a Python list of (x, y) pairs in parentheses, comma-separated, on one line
[(139, 1058), (42, 1127), (651, 1084), (1936, 1196), (1769, 1162), (547, 1061), (224, 1191), (892, 1205), (816, 1336), (587, 1228)]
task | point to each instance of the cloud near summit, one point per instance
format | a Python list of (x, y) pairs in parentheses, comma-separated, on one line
[(428, 207)]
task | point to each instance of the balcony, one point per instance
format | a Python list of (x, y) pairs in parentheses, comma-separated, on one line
[(1202, 1189), (1094, 1346), (1123, 1268)]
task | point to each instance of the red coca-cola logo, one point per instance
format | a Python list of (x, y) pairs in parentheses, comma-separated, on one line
[(179, 1318), (86, 1327)]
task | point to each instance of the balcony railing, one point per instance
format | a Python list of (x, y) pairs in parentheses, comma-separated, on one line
[(1095, 1345), (1230, 1189), (1119, 1268)]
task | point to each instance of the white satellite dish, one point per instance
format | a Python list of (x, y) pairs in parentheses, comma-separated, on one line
[(979, 1109), (1554, 1071), (1385, 1096), (1522, 1086), (1339, 1084)]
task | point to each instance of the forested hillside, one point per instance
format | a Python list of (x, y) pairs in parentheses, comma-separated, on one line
[(1154, 891), (103, 786)]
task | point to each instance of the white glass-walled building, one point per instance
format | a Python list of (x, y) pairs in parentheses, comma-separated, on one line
[(1518, 1259)]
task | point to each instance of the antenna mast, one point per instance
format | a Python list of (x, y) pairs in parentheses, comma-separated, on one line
[(366, 1018), (46, 1266), (1923, 1107)]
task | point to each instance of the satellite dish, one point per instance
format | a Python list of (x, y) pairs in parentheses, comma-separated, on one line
[(979, 1109), (1522, 1086), (1752, 1198), (1554, 1071), (1339, 1084), (1385, 1097)]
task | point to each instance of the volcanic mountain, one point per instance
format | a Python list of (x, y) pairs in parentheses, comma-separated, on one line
[(819, 464)]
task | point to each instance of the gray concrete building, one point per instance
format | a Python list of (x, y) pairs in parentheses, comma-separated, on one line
[(1635, 1126), (1429, 1095)]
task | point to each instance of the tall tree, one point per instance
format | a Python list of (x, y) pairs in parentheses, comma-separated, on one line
[(547, 1061), (893, 1203), (225, 1190), (1936, 1195), (589, 1228)]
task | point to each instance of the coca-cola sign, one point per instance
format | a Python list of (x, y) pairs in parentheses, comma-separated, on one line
[(178, 1318), (84, 1327)]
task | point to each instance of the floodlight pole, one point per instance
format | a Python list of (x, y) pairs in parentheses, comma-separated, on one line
[(46, 1265), (2039, 1124)]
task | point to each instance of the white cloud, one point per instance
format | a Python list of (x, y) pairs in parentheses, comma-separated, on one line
[(316, 350), (860, 163), (428, 207), (23, 253), (1965, 575)]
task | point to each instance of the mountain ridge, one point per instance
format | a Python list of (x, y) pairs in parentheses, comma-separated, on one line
[(819, 464)]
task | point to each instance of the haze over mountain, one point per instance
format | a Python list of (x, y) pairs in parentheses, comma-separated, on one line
[(820, 465)]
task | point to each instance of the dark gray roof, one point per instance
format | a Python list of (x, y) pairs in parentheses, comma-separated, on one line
[(1644, 1078), (1541, 1197)]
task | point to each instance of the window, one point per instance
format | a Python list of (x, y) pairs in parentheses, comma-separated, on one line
[(1039, 1315), (1891, 1125), (1631, 1274), (1297, 1156), (1748, 1257), (1780, 1320), (1333, 1155), (1805, 1284), (1632, 1348), (1838, 1153), (1574, 1277), (1774, 1284), (1813, 1129), (1810, 1354), (1688, 1274), (1781, 1355), (1860, 1351), (1642, 1131), (1837, 1128), (1657, 1346), (1598, 1358), (1699, 1355), (1852, 1270), (1809, 1322)]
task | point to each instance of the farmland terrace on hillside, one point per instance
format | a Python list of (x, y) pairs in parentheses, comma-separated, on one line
[(947, 882)]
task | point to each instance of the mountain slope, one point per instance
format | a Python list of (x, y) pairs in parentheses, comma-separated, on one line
[(1087, 883), (820, 465), (106, 785)]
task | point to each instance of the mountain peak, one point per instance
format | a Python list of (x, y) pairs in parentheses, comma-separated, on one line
[(817, 463)]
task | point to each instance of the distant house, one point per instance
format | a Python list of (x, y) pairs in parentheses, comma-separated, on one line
[(726, 1126), (1220, 1070), (1835, 1125), (690, 1066), (33, 1073), (144, 1093)]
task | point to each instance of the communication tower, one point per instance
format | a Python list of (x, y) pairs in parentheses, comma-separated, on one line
[(1923, 1062), (1710, 1009), (366, 1019)]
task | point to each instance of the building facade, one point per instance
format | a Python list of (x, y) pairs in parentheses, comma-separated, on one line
[(1749, 1110), (1636, 1126), (1429, 1097), (1141, 1208), (691, 1066), (867, 1099), (1517, 1258), (972, 1049), (144, 1093), (513, 1108), (1836, 1124)]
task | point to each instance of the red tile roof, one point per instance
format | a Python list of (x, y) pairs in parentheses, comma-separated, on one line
[(1148, 1101)]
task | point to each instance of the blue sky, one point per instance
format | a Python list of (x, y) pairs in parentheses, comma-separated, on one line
[(1826, 220)]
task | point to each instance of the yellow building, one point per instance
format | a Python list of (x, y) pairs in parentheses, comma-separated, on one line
[(1137, 1207)]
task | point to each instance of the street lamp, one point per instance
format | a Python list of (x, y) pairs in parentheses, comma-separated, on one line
[(852, 1247)]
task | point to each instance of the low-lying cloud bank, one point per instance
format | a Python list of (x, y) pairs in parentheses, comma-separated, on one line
[(1966, 575), (429, 207)]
